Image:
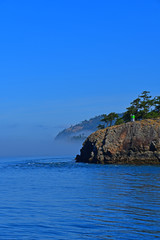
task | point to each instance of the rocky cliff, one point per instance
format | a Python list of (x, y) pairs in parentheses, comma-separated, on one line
[(129, 143)]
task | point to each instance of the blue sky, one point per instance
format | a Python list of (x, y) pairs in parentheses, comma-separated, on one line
[(65, 61)]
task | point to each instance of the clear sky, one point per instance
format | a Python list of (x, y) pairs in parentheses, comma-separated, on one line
[(62, 62)]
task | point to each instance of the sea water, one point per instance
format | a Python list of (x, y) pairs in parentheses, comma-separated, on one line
[(56, 198)]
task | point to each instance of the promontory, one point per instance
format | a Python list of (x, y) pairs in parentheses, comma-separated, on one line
[(129, 143)]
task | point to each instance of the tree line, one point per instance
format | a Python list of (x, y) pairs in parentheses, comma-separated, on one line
[(143, 107)]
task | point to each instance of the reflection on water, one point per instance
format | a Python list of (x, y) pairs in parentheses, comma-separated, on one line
[(56, 198)]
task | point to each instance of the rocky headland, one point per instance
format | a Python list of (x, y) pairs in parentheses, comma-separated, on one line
[(129, 143)]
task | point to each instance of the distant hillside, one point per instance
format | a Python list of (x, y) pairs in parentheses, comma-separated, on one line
[(143, 107), (80, 131)]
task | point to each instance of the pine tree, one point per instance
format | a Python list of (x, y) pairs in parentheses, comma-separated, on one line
[(101, 126), (145, 104), (119, 121), (105, 119), (112, 116), (157, 104), (143, 107)]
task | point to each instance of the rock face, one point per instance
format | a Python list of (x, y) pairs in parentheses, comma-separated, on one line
[(129, 143)]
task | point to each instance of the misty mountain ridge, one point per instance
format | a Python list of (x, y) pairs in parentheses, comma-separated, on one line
[(81, 131)]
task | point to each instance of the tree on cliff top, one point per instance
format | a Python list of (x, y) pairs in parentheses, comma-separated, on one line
[(157, 104), (108, 120), (101, 126), (112, 116), (142, 107), (105, 120)]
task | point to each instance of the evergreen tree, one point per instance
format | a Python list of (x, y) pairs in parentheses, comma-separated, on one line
[(119, 121), (108, 119), (111, 117), (145, 104), (101, 126), (143, 107), (105, 119), (157, 104)]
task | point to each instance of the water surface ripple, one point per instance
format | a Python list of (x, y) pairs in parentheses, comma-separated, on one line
[(56, 198)]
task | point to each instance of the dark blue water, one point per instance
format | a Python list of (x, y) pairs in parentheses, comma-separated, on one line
[(56, 198)]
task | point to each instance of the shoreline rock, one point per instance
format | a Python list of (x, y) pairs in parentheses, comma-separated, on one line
[(130, 143)]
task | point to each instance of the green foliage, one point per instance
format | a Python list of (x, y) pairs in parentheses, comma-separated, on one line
[(152, 115), (101, 126), (143, 107), (111, 117), (119, 121), (108, 119), (157, 104), (105, 120)]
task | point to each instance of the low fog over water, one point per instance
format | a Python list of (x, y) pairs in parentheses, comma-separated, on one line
[(34, 141), (26, 147)]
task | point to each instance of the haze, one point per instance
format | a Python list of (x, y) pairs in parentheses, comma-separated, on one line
[(62, 62)]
